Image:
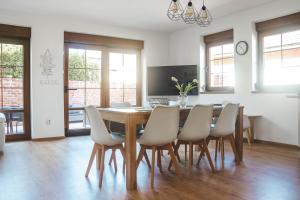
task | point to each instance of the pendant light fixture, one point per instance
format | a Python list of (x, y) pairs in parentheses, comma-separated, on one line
[(204, 18), (189, 15), (175, 10)]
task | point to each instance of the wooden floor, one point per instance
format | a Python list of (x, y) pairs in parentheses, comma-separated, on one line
[(55, 170)]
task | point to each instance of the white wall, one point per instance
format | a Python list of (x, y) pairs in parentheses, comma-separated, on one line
[(280, 114), (48, 33)]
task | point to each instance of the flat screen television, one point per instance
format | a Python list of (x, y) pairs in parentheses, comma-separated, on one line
[(159, 81)]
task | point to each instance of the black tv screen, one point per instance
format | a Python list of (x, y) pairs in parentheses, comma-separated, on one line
[(159, 79)]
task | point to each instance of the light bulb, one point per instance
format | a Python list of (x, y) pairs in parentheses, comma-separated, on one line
[(174, 7), (204, 15), (189, 12)]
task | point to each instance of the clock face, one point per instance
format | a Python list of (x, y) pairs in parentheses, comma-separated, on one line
[(241, 47)]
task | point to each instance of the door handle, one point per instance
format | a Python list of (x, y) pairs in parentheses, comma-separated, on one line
[(67, 89)]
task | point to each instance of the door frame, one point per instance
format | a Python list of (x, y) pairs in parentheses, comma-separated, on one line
[(105, 97), (26, 91), (67, 46)]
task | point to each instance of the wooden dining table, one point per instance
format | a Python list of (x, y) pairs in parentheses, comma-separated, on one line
[(132, 117)]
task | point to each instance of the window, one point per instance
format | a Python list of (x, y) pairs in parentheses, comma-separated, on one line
[(220, 61), (122, 77), (279, 54), (84, 77)]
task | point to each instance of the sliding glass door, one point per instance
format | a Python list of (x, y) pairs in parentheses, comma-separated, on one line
[(14, 87), (97, 76), (82, 85)]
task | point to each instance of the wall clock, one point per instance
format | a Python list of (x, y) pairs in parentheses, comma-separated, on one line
[(241, 47)]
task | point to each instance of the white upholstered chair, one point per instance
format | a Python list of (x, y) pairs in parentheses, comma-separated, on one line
[(103, 140), (161, 130), (195, 131), (224, 129)]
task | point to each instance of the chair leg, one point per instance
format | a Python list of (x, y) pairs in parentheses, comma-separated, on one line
[(99, 153), (102, 165), (112, 156), (94, 151), (237, 158), (222, 151), (147, 159), (216, 149), (153, 166), (190, 154), (176, 153), (200, 156), (208, 156), (124, 157), (159, 160), (115, 162), (202, 152), (124, 165), (248, 136), (176, 148), (140, 156), (185, 152), (173, 159)]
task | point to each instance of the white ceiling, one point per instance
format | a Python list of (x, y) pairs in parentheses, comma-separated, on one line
[(143, 14)]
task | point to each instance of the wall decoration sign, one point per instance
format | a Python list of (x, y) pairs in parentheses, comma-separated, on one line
[(48, 68)]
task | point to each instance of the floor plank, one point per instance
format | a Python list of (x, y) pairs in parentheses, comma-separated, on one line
[(55, 170)]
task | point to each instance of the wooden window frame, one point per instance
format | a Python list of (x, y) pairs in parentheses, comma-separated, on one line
[(21, 35), (138, 73), (271, 27), (216, 39), (105, 44)]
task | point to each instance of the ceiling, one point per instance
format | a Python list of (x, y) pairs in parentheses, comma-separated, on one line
[(142, 14)]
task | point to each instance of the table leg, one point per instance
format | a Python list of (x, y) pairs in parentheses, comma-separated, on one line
[(239, 134), (251, 119), (130, 148)]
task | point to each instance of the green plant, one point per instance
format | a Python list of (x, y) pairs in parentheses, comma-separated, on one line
[(184, 89)]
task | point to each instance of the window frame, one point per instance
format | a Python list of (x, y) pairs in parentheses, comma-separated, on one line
[(138, 73), (275, 26), (217, 39)]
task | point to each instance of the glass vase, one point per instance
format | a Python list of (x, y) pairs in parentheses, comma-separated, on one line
[(182, 100)]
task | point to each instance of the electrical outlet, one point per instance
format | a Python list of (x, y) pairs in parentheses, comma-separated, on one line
[(48, 121)]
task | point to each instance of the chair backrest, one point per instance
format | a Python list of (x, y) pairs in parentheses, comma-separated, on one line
[(99, 132), (197, 125), (120, 105), (162, 126), (227, 119)]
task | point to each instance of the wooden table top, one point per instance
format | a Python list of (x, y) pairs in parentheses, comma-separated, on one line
[(143, 109)]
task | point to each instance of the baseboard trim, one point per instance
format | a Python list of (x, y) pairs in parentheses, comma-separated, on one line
[(291, 146), (48, 139)]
